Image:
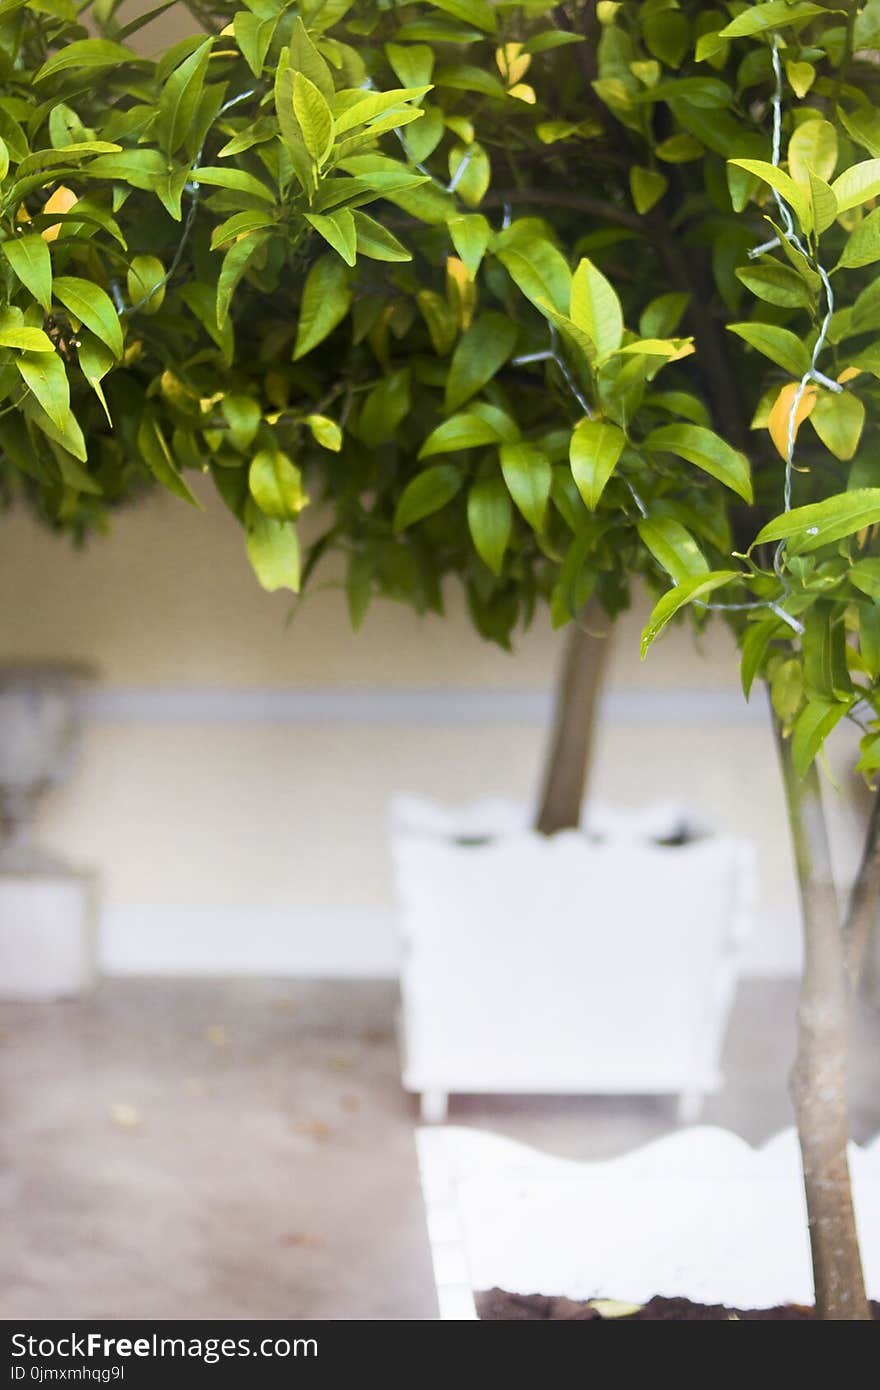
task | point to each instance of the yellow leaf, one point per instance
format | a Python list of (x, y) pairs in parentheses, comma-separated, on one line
[(62, 200), (512, 62), (615, 1307), (461, 292), (848, 374), (523, 92), (779, 421)]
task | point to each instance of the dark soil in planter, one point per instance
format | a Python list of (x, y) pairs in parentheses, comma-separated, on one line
[(497, 1306)]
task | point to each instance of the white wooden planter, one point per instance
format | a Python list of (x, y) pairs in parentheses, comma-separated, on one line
[(697, 1214), (571, 964)]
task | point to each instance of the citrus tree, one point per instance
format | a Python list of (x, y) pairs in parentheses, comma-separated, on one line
[(610, 319)]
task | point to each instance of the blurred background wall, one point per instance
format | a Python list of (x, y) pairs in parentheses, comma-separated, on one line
[(238, 765), (240, 750)]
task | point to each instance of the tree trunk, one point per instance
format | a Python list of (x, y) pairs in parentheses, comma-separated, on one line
[(819, 1077), (861, 914), (577, 700)]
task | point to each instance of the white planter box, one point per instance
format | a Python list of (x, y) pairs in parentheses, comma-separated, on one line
[(565, 964), (697, 1214)]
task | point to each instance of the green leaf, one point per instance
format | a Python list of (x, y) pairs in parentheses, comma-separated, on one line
[(93, 307), (796, 197), (180, 98), (865, 575), (528, 475), (235, 263), (776, 14), (325, 302), (69, 437), (863, 244), (479, 354), (376, 241), (304, 56), (490, 519), (412, 64), (273, 550), (819, 523), (237, 179), (470, 235), (44, 374), (24, 339), (325, 432), (753, 649), (142, 168), (95, 361), (811, 728), (824, 653), (595, 308), (29, 257), (838, 419), (254, 36), (470, 173), (787, 690), (673, 546), (824, 204), (812, 149), (426, 493), (686, 592), (856, 185), (662, 315), (145, 282), (776, 284), (708, 451), (779, 344), (539, 270), (314, 116), (384, 409), (338, 230), (158, 457), (254, 219), (463, 431), (358, 587), (275, 484), (646, 187), (476, 12), (594, 451), (242, 414), (86, 53), (368, 106)]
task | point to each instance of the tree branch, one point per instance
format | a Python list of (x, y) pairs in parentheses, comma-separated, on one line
[(578, 202)]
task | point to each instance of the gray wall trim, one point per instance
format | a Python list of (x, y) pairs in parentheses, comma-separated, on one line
[(408, 707)]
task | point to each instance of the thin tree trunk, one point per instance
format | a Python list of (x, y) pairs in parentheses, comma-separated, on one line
[(571, 740), (861, 913), (819, 1077)]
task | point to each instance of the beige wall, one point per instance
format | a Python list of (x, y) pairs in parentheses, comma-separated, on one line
[(225, 841), (262, 836)]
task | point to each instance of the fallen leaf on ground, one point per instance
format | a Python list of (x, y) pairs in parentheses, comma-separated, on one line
[(126, 1116), (318, 1129), (216, 1034), (614, 1307)]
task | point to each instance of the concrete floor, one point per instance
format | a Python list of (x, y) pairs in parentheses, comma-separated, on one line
[(242, 1149)]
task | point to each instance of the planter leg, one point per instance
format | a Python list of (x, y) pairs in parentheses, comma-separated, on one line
[(434, 1107), (690, 1104)]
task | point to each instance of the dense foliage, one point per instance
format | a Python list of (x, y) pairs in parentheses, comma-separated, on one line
[(546, 360)]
